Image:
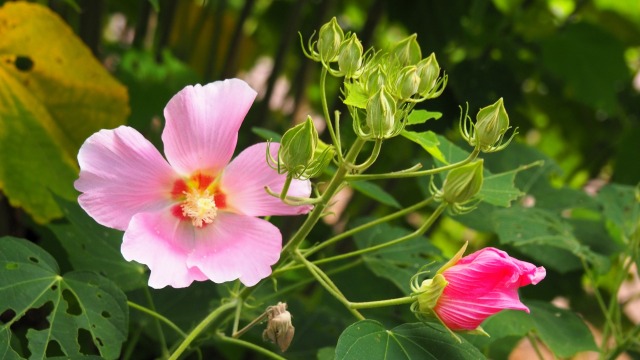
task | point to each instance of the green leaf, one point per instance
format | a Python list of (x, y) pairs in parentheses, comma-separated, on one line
[(545, 237), (421, 116), (561, 330), (266, 134), (566, 57), (368, 339), (94, 247), (70, 306), (428, 140), (155, 4), (326, 353), (356, 96), (375, 192), (397, 263), (621, 207), (54, 95), (499, 189)]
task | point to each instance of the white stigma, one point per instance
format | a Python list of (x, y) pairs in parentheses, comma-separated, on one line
[(200, 207)]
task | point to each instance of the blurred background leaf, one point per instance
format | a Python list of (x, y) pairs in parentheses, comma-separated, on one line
[(55, 94)]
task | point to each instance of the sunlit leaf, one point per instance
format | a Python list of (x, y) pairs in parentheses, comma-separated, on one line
[(421, 116), (76, 305), (428, 140), (355, 96), (397, 263), (54, 95), (94, 247), (368, 339)]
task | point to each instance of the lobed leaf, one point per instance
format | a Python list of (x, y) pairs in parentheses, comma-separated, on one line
[(368, 339), (68, 310), (96, 248)]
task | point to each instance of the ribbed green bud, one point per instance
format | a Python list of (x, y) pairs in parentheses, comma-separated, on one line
[(297, 148), (463, 183), (381, 110), (428, 70), (407, 82), (376, 79), (429, 293), (350, 57), (492, 122), (407, 51), (329, 39)]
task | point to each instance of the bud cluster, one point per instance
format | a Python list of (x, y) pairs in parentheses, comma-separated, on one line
[(380, 87)]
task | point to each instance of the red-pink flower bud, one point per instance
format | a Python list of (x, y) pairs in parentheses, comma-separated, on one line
[(478, 286)]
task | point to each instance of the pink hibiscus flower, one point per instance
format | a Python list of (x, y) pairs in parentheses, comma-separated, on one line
[(193, 216), (480, 285)]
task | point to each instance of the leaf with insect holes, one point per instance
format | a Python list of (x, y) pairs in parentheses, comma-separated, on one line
[(80, 313)]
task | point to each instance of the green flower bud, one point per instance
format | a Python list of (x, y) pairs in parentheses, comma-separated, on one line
[(381, 110), (376, 79), (297, 148), (329, 39), (407, 82), (407, 51), (463, 183), (492, 122), (350, 57), (428, 70)]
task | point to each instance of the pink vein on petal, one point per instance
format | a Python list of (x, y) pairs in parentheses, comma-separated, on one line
[(121, 174), (202, 124), (246, 176)]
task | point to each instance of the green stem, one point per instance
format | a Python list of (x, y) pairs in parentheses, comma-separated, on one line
[(534, 345), (325, 110), (285, 187), (252, 346), (201, 327), (622, 346), (317, 212), (328, 284), (407, 174), (381, 303), (307, 281), (131, 343), (418, 232), (157, 316), (372, 158), (156, 323), (368, 225), (254, 322)]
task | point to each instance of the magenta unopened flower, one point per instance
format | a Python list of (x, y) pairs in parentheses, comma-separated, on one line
[(193, 216), (467, 290)]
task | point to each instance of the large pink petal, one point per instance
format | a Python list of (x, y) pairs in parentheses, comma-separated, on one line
[(121, 174), (162, 242), (236, 246), (244, 179), (468, 314), (202, 124)]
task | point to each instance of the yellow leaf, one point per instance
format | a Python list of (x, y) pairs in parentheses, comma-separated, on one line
[(53, 95)]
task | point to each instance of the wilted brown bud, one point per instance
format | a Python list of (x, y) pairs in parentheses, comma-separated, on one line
[(279, 328)]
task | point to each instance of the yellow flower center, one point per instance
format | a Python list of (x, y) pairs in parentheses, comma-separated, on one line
[(200, 207)]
